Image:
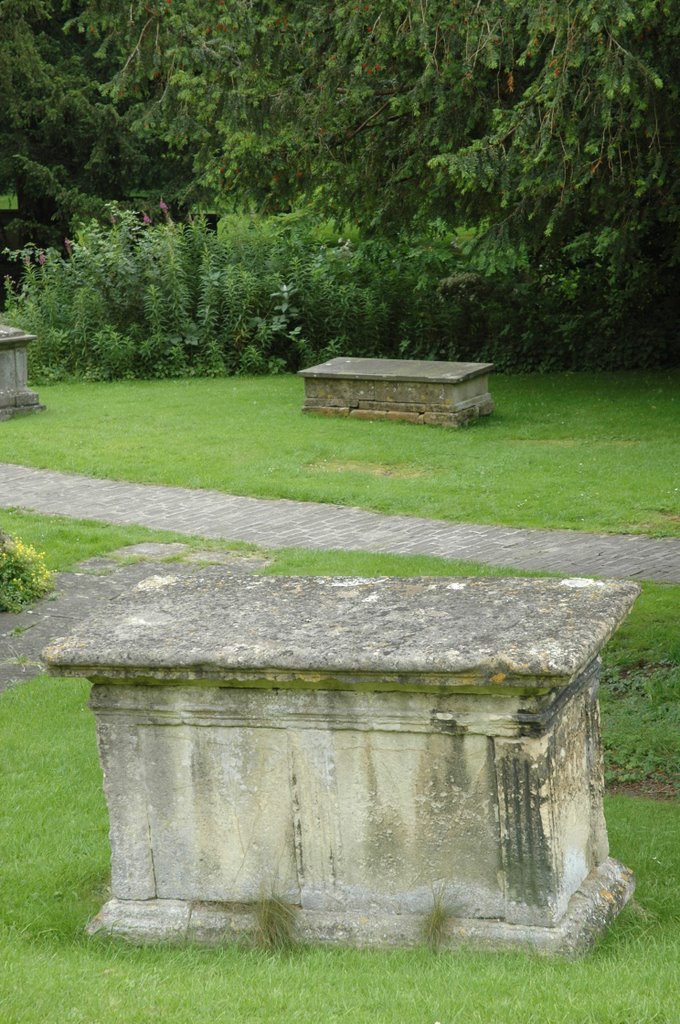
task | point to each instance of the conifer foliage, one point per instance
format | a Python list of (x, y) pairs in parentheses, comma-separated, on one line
[(546, 132)]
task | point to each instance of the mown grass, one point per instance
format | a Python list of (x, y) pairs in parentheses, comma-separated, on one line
[(66, 541), (580, 451), (54, 857)]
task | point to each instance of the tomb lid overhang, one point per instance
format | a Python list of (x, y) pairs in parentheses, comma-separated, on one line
[(415, 370), (384, 633), (11, 336)]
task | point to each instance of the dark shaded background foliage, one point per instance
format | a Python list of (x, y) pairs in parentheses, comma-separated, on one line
[(65, 147), (547, 131), (136, 299)]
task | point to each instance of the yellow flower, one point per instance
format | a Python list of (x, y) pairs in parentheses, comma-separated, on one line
[(24, 576)]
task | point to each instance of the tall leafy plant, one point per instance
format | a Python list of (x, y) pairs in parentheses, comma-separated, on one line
[(168, 299)]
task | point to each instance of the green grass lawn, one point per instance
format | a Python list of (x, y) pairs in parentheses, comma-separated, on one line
[(580, 451)]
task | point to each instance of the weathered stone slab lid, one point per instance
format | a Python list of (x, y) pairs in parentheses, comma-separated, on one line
[(420, 370), (344, 632), (10, 336)]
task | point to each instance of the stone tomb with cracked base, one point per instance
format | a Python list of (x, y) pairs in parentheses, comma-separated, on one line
[(377, 752), (16, 398), (415, 390)]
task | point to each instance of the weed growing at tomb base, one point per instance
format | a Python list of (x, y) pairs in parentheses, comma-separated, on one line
[(275, 923), (434, 923)]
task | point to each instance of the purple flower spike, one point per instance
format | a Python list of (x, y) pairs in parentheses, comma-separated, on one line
[(163, 206), (42, 259), (68, 245), (147, 219)]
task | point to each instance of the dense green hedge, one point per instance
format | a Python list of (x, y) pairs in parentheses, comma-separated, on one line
[(133, 299)]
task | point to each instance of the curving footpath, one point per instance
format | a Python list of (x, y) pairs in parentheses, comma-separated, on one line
[(282, 523)]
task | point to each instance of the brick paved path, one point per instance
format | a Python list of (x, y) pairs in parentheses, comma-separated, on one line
[(283, 523)]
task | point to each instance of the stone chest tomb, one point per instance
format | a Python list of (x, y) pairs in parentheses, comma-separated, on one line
[(415, 390), (364, 749), (16, 398)]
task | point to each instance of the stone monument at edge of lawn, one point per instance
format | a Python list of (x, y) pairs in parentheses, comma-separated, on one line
[(412, 390), (16, 398)]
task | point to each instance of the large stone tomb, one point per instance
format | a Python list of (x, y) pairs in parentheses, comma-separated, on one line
[(415, 390), (15, 397), (379, 753)]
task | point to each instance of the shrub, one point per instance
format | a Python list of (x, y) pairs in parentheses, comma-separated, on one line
[(177, 299), (267, 295), (23, 574)]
